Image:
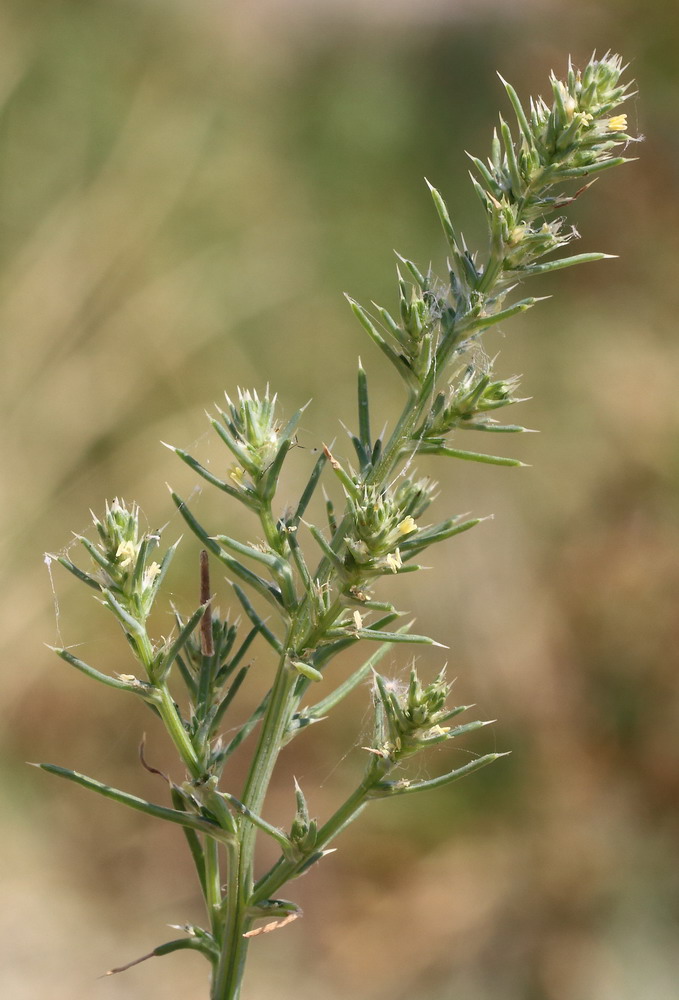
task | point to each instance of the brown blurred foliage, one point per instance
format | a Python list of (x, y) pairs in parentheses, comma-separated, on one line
[(185, 191)]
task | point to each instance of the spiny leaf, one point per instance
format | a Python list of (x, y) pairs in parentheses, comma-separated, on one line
[(134, 802), (469, 456), (143, 689), (405, 787)]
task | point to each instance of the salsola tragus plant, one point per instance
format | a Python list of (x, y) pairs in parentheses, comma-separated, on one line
[(317, 609)]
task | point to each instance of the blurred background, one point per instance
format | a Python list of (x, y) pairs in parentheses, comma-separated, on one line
[(186, 189)]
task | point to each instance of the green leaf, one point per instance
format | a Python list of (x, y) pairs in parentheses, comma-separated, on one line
[(78, 573), (448, 228), (160, 812), (187, 677), (594, 168), (454, 712), (203, 943), (148, 544), (397, 361), (327, 549), (270, 478), (328, 651), (279, 567), (429, 536), (483, 322), (330, 514), (493, 427), (273, 831), (351, 487), (96, 555), (300, 563), (230, 695), (469, 727), (272, 561), (238, 451), (184, 635), (129, 623), (510, 152), (288, 431), (256, 620), (244, 730), (363, 410), (557, 265), (376, 635), (405, 787), (399, 335), (227, 669), (420, 278), (309, 489), (488, 202), (490, 182), (140, 688), (469, 456), (210, 478), (193, 524), (267, 590), (519, 112), (321, 708), (192, 839)]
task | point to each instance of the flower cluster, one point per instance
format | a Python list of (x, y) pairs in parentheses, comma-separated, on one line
[(423, 306), (572, 138), (409, 718), (471, 397), (127, 580), (251, 429), (303, 831), (123, 557), (380, 522)]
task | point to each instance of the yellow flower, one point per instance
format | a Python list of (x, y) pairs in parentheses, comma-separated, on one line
[(406, 526), (393, 561), (438, 730), (126, 554), (150, 573), (618, 123)]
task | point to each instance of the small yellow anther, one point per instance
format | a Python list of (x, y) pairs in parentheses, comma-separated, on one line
[(150, 573), (126, 554), (618, 123), (393, 561)]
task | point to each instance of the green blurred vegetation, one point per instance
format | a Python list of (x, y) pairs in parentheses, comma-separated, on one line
[(185, 191)]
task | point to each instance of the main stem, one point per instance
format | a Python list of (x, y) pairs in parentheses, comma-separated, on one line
[(229, 972)]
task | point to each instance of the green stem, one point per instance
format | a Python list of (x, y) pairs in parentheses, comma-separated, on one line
[(175, 727), (271, 532), (213, 886), (229, 971)]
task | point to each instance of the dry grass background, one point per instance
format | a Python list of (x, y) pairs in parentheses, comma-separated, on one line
[(185, 191)]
